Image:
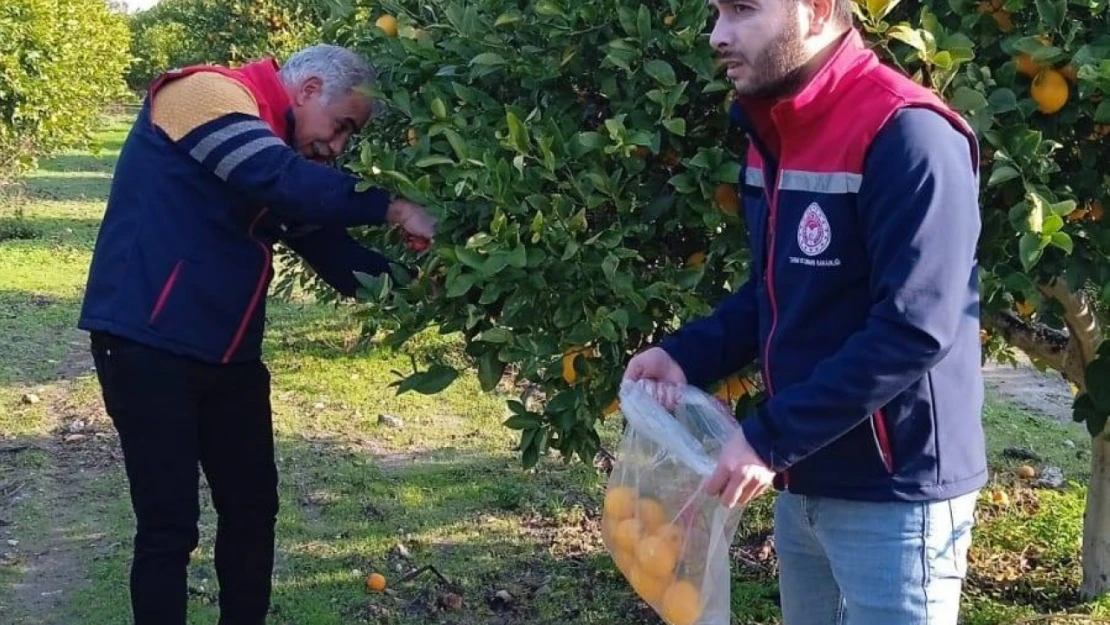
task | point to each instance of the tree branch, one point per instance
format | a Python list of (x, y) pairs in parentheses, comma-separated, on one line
[(1080, 318), (1067, 351)]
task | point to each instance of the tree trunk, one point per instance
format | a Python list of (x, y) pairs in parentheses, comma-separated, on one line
[(1096, 523), (1069, 352)]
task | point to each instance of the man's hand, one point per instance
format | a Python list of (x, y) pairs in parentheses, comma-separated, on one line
[(741, 475), (412, 218), (657, 366)]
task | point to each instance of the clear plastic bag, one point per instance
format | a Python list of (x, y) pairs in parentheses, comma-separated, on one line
[(667, 536)]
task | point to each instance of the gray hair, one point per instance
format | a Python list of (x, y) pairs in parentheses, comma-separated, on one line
[(340, 69)]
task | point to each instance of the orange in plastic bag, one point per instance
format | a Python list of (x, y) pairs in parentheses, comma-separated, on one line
[(665, 534)]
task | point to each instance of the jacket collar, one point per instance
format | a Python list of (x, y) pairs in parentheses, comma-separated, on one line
[(274, 102), (849, 59)]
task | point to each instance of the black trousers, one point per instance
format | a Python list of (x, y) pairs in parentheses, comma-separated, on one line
[(173, 414)]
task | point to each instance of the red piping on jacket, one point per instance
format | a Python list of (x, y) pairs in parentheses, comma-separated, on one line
[(165, 294), (772, 202), (258, 289), (883, 440)]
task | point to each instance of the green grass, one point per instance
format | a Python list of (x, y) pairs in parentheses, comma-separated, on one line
[(447, 485)]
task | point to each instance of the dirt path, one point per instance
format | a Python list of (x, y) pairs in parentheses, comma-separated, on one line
[(1047, 393), (59, 493)]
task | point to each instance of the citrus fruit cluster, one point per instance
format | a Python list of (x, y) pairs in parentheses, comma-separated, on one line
[(647, 546)]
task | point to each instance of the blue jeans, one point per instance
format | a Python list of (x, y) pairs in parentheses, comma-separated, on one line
[(863, 563)]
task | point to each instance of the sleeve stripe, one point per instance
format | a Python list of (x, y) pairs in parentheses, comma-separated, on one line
[(234, 159), (218, 137)]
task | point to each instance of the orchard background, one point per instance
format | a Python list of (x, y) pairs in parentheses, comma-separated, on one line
[(580, 160)]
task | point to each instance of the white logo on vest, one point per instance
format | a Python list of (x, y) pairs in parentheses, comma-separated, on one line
[(814, 232)]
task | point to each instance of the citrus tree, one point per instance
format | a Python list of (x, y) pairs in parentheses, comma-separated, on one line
[(580, 159), (60, 64), (175, 33)]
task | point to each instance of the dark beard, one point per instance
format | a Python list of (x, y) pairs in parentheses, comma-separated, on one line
[(781, 68)]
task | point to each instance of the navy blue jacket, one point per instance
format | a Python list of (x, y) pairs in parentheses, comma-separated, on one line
[(183, 259), (861, 199)]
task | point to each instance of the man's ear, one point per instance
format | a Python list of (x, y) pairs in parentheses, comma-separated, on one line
[(311, 88), (822, 15)]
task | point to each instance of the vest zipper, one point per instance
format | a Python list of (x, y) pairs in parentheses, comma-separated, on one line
[(259, 289)]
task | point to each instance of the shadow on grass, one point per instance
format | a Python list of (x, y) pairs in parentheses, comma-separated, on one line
[(102, 160), (72, 188), (49, 232), (38, 333), (483, 524)]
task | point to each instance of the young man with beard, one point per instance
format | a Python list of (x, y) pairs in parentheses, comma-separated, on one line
[(220, 165), (860, 192)]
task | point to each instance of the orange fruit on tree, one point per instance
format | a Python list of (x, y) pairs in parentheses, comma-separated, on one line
[(375, 582), (734, 388), (1025, 309), (696, 259), (1050, 91), (569, 374), (1026, 65), (1070, 72), (682, 604), (668, 21), (1096, 212), (613, 407), (726, 199), (388, 24)]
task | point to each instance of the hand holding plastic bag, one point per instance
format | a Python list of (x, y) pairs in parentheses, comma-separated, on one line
[(666, 534)]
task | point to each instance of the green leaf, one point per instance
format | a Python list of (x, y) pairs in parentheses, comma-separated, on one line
[(490, 371), (435, 380), (1052, 224), (1052, 12), (1035, 219), (518, 257), (1097, 377), (531, 455), (643, 22), (505, 19), (1102, 113), (489, 59), (966, 99), (1002, 173), (439, 109), (460, 285), (495, 335), (676, 126), (547, 8), (517, 132), (908, 36), (1003, 101), (1030, 249), (523, 421), (1063, 241), (433, 160), (458, 144), (878, 9), (609, 267), (661, 71)]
